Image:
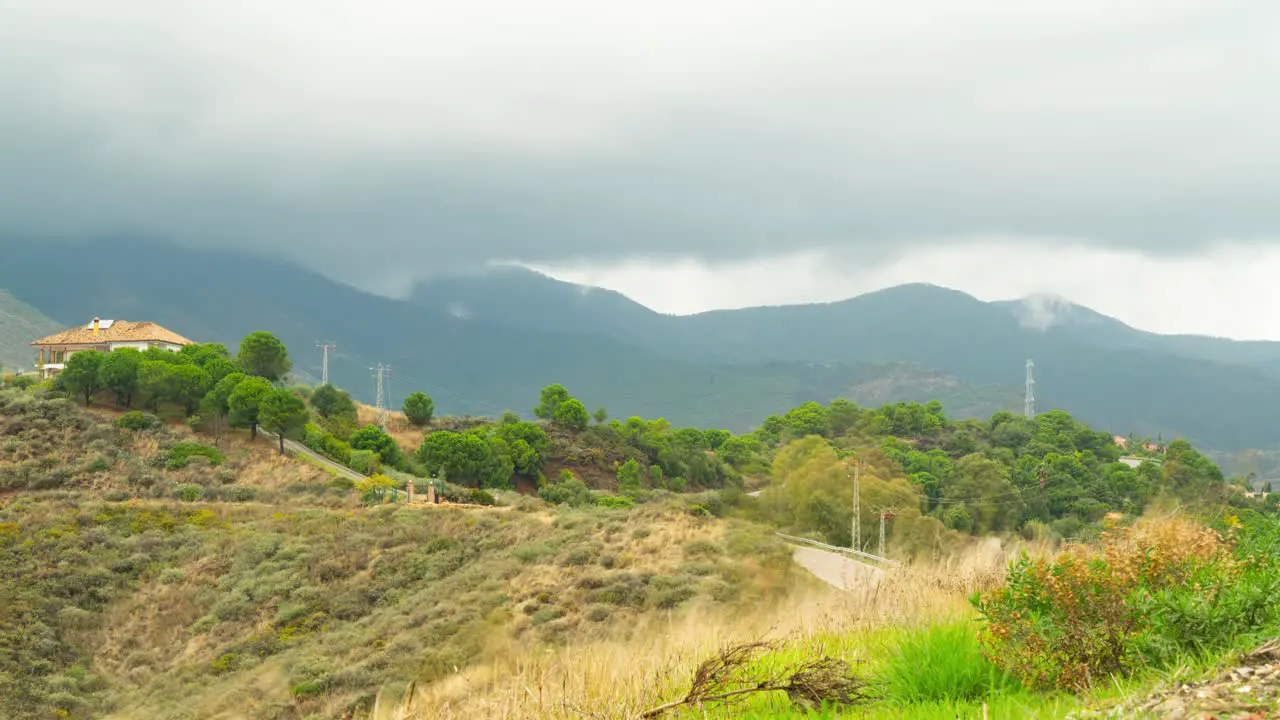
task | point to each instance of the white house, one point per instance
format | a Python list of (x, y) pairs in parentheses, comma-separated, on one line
[(104, 335)]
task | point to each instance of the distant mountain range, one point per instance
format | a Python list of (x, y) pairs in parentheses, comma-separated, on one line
[(19, 325), (487, 342)]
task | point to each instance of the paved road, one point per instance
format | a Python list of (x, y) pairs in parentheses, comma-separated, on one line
[(835, 569), (294, 447)]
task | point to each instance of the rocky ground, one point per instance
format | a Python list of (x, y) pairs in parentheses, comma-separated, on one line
[(1248, 691)]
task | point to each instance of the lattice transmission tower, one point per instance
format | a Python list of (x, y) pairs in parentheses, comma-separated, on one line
[(380, 374), (324, 363), (1029, 405)]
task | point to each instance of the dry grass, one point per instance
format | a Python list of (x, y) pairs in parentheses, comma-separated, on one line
[(619, 678), (408, 437)]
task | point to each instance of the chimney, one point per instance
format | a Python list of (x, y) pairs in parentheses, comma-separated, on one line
[(96, 321)]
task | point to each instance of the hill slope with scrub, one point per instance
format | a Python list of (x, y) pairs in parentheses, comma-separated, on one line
[(160, 557)]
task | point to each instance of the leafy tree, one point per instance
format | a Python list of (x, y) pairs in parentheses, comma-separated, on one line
[(629, 475), (982, 487), (569, 490), (213, 358), (119, 374), (244, 402), (419, 408), (215, 404), (808, 419), (550, 400), (189, 385), (374, 439), (80, 375), (600, 415), (655, 477), (527, 444), (572, 414), (203, 353), (738, 451), (715, 438), (219, 367), (262, 354), (156, 354), (331, 402), (464, 457), (283, 413), (156, 381), (842, 415), (509, 418)]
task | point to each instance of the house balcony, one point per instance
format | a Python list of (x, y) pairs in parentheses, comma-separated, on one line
[(48, 370)]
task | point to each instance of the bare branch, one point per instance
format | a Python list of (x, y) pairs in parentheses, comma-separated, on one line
[(726, 678)]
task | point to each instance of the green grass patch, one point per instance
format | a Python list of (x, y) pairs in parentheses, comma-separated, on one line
[(942, 664)]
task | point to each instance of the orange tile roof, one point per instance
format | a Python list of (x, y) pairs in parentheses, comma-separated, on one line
[(119, 331)]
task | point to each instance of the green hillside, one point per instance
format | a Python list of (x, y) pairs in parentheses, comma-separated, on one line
[(19, 325), (163, 565)]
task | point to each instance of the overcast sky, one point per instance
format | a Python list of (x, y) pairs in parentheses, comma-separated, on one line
[(1124, 153)]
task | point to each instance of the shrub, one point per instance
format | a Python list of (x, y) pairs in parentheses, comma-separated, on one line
[(569, 491), (703, 548), (240, 493), (172, 576), (1150, 593), (615, 501), (942, 663), (180, 454), (363, 462), (482, 497), (137, 421), (188, 492)]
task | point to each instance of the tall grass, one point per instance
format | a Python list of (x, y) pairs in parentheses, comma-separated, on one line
[(942, 663), (621, 677)]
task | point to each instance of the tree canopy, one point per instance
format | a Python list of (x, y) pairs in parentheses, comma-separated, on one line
[(262, 354)]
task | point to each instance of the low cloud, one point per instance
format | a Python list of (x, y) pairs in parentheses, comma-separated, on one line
[(1224, 292), (378, 141)]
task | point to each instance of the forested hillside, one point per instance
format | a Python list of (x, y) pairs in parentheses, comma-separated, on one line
[(482, 343)]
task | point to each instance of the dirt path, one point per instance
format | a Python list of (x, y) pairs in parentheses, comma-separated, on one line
[(835, 569)]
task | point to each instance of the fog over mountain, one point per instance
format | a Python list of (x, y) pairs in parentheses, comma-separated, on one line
[(381, 142)]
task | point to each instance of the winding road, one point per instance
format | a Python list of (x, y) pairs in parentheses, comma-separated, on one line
[(838, 571)]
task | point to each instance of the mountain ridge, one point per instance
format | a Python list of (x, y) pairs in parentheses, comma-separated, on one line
[(485, 343)]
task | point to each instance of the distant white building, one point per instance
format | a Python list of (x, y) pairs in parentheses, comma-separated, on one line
[(104, 335)]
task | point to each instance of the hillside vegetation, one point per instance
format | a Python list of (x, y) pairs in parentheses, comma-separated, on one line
[(486, 344), (150, 575), (159, 558)]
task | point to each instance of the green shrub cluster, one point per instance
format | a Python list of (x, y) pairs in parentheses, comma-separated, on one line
[(1152, 595), (137, 421), (178, 455)]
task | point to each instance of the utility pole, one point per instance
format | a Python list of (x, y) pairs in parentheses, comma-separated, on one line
[(324, 364), (855, 538), (884, 515)]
